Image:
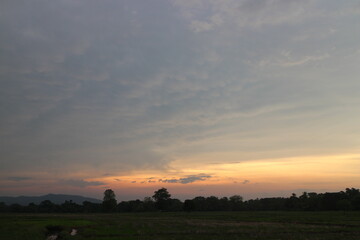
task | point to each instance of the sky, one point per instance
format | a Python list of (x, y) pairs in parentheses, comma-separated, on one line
[(257, 98)]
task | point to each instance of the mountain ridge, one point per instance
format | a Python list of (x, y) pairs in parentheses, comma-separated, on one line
[(54, 198)]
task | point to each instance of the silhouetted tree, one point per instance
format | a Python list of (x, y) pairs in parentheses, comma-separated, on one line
[(109, 202), (199, 203), (16, 208), (3, 207), (293, 202), (161, 194), (355, 202), (344, 200), (123, 206), (174, 205), (224, 204), (313, 201), (343, 204), (189, 205), (135, 206), (236, 202), (252, 205), (212, 203), (162, 197), (47, 206), (70, 207), (149, 204), (353, 195), (90, 207), (271, 204), (329, 201), (352, 192), (32, 207)]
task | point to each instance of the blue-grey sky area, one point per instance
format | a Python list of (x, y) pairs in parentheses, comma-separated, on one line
[(91, 90)]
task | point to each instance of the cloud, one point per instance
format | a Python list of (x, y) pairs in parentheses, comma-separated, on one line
[(80, 183), (186, 180), (89, 97), (286, 59), (169, 180), (107, 174), (198, 26), (248, 76), (18, 179), (203, 26), (245, 14), (306, 59), (245, 182)]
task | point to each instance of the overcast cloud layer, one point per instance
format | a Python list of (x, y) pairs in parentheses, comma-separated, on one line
[(89, 88)]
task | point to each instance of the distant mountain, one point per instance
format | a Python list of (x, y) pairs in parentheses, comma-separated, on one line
[(55, 198)]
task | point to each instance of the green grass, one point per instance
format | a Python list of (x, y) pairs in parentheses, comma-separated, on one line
[(184, 226)]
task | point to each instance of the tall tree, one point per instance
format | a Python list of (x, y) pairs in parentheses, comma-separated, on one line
[(162, 198), (109, 201)]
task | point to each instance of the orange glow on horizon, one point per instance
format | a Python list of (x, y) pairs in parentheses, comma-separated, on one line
[(266, 177), (312, 172)]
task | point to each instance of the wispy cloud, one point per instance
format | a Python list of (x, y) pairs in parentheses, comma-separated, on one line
[(245, 13), (19, 179), (80, 183), (245, 182), (287, 60), (186, 180)]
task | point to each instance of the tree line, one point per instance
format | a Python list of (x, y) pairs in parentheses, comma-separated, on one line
[(347, 200)]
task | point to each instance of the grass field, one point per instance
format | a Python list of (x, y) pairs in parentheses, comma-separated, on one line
[(196, 225)]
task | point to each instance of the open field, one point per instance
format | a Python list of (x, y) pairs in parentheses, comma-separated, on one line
[(196, 225)]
